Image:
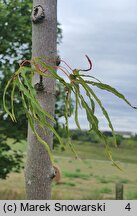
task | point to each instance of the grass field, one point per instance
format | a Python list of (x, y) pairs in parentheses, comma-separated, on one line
[(91, 177)]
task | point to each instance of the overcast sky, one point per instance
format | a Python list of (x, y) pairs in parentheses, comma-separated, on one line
[(107, 32)]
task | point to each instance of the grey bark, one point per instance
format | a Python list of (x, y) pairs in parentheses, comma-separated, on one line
[(39, 170)]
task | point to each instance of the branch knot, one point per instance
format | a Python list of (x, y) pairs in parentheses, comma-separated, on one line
[(38, 14)]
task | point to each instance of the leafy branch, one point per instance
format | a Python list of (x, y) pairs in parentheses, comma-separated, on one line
[(77, 79)]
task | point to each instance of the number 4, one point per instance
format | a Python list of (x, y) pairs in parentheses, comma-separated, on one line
[(128, 207)]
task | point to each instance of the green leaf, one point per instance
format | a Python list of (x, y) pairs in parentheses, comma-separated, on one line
[(12, 99), (76, 111), (4, 100), (109, 154), (112, 90), (28, 83), (90, 115), (91, 100), (76, 93), (66, 112), (89, 90), (72, 147), (88, 76)]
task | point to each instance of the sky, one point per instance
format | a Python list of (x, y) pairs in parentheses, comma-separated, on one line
[(107, 32)]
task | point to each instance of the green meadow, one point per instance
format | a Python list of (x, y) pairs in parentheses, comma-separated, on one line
[(92, 176)]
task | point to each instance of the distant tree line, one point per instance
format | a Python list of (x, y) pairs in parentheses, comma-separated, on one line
[(85, 136)]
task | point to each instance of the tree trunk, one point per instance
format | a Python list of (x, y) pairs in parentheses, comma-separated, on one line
[(39, 170)]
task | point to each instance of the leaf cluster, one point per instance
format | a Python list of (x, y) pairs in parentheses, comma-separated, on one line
[(76, 79)]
